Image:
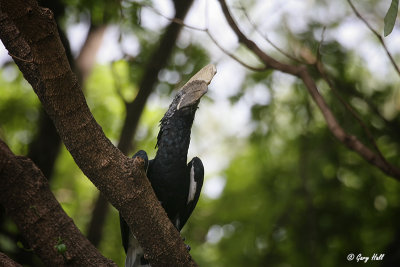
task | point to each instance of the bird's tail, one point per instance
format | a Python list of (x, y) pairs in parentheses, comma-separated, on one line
[(135, 255)]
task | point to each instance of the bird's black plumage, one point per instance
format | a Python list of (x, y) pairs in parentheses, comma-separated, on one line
[(168, 172), (177, 184)]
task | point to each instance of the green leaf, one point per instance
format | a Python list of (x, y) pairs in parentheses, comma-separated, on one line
[(390, 17), (61, 248), (20, 245)]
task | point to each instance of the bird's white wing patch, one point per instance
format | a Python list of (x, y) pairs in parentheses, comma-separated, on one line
[(192, 185), (134, 253), (177, 222)]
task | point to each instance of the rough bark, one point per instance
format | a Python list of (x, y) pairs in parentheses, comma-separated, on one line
[(30, 35), (45, 147), (134, 109), (7, 262), (26, 195)]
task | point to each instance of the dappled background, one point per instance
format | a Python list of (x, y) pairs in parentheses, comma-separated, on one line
[(280, 190)]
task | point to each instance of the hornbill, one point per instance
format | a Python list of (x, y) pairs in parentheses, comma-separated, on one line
[(176, 183)]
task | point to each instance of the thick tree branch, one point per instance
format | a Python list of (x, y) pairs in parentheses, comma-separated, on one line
[(26, 195), (46, 145), (30, 34), (302, 72), (6, 261), (158, 61), (44, 148)]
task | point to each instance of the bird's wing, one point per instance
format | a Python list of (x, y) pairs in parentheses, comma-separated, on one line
[(196, 176)]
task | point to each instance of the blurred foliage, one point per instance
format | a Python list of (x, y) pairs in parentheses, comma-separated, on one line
[(100, 11), (292, 195), (295, 197), (18, 109)]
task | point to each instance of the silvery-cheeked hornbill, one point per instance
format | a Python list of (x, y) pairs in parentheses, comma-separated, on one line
[(176, 183)]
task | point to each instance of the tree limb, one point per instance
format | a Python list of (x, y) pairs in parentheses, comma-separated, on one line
[(134, 109), (30, 33), (302, 72), (6, 261), (44, 148), (26, 195)]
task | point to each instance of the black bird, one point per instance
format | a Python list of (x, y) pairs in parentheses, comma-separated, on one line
[(177, 184)]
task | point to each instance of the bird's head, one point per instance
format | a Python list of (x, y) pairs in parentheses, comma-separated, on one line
[(178, 120), (188, 97)]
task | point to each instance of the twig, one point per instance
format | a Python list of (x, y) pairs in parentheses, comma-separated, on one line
[(371, 138), (176, 20), (263, 35), (380, 39), (206, 30), (320, 68), (302, 72), (324, 75), (233, 56), (252, 46)]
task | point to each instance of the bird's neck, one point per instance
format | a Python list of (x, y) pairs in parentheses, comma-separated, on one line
[(173, 141)]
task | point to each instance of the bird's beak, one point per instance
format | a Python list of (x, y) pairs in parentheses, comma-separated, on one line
[(205, 74), (196, 87), (191, 94)]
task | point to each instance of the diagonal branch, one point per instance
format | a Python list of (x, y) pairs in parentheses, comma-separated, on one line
[(6, 261), (39, 216), (357, 117), (266, 38), (252, 46), (134, 109), (45, 146), (321, 70), (231, 55), (213, 39), (302, 72), (29, 32)]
